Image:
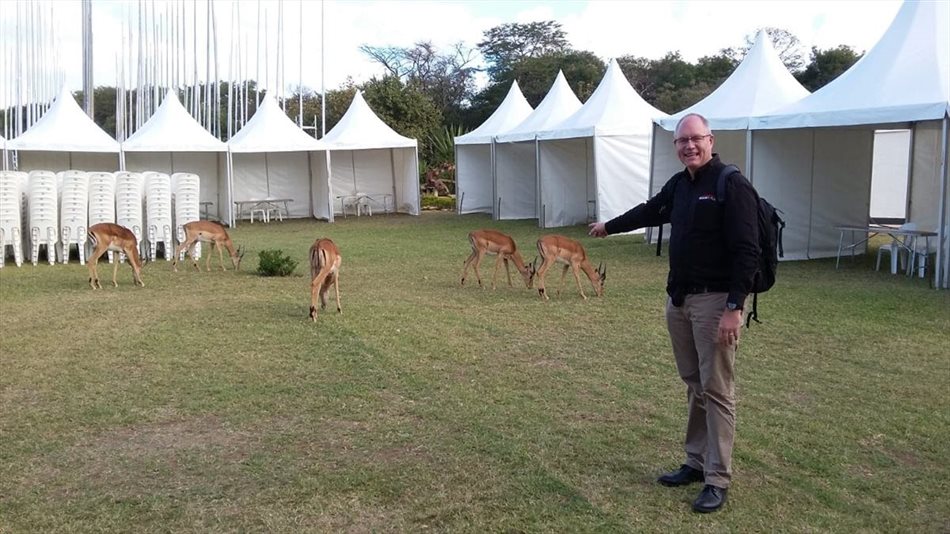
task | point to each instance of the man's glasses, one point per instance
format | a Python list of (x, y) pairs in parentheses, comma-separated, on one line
[(695, 139)]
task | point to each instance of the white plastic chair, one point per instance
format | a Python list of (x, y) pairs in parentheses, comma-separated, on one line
[(43, 215), (129, 195), (101, 201), (158, 214), (186, 193), (73, 213), (11, 230), (897, 250)]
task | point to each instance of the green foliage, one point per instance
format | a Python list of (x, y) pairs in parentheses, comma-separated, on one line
[(433, 202), (508, 44), (441, 144), (826, 65), (275, 263), (403, 108)]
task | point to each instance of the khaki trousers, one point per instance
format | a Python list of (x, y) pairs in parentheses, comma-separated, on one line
[(707, 368)]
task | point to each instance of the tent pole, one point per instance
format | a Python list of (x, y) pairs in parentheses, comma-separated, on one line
[(649, 231), (941, 270), (537, 183)]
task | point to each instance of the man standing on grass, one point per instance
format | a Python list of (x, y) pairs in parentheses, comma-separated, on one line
[(713, 260)]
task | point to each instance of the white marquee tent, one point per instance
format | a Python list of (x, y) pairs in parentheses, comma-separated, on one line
[(516, 165), (760, 84), (816, 154), (65, 138), (595, 164), (6, 161), (474, 182), (172, 141), (367, 158), (272, 158)]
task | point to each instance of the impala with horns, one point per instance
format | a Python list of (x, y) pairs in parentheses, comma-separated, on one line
[(503, 247), (557, 248), (106, 237), (208, 232), (325, 263)]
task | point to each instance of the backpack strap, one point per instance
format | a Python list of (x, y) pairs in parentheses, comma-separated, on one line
[(726, 171), (754, 314)]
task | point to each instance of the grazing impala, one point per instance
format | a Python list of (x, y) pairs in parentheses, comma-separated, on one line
[(554, 248), (208, 232), (503, 246), (324, 270), (106, 237)]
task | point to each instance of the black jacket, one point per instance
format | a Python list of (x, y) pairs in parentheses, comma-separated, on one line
[(714, 246)]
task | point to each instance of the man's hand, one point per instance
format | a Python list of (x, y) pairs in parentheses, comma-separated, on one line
[(597, 230), (730, 325)]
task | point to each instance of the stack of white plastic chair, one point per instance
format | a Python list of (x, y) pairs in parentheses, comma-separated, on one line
[(10, 217), (43, 220), (73, 213), (129, 193), (102, 200), (186, 193), (158, 213)]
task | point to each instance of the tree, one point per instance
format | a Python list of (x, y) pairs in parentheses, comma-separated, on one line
[(583, 71), (510, 43), (826, 65), (662, 82), (786, 44), (404, 109), (447, 79)]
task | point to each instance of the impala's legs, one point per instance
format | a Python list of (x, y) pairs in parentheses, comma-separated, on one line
[(507, 271), (494, 275), (577, 278), (93, 270), (468, 262), (560, 285), (542, 272), (336, 287), (220, 255)]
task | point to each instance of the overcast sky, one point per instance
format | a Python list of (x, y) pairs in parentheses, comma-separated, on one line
[(609, 28)]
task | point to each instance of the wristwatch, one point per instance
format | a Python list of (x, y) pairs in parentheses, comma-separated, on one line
[(732, 306)]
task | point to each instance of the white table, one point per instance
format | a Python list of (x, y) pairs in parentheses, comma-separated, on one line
[(363, 202), (896, 233), (265, 205)]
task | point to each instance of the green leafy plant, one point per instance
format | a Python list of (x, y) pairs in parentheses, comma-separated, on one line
[(275, 263), (432, 202)]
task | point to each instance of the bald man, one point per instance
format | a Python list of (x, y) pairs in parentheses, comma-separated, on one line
[(713, 260)]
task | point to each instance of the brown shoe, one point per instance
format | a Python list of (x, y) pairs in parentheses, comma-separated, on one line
[(681, 477)]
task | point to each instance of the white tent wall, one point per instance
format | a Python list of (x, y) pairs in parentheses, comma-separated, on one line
[(376, 172), (568, 186), (516, 181), (819, 178), (890, 174), (623, 169), (923, 209), (42, 160), (473, 171), (275, 175), (211, 168)]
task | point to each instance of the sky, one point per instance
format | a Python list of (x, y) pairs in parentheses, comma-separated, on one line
[(608, 28)]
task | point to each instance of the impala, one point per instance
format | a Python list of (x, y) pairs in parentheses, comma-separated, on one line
[(324, 270), (503, 247), (557, 248), (106, 237), (208, 232)]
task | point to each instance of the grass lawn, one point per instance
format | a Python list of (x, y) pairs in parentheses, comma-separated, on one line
[(208, 402)]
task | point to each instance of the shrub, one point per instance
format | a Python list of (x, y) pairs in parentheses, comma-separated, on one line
[(432, 202), (275, 263)]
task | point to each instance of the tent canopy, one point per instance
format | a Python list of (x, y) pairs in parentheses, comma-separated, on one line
[(513, 110), (760, 84), (271, 130), (172, 129), (65, 128), (904, 77), (360, 128), (614, 108), (559, 104)]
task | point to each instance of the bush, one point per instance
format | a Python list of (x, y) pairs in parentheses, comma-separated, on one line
[(275, 263), (432, 202)]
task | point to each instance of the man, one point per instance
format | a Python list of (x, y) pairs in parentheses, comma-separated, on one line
[(713, 258)]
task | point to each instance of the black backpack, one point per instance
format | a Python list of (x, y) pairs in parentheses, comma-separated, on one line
[(770, 242)]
